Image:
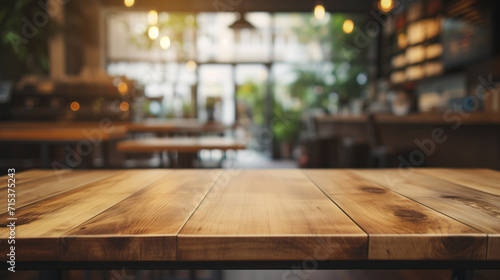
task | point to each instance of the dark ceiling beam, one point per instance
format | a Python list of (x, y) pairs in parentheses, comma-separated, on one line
[(333, 6)]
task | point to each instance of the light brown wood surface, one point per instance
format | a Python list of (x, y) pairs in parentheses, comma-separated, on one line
[(474, 208), (62, 133), (176, 125), (480, 179), (149, 221), (44, 222), (272, 215), (179, 144), (398, 225), (60, 124), (30, 175), (47, 186), (266, 215)]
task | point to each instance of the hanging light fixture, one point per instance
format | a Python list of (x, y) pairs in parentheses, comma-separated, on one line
[(241, 24)]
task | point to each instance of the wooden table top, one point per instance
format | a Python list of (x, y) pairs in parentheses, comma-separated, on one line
[(61, 133), (180, 144), (176, 125), (241, 215)]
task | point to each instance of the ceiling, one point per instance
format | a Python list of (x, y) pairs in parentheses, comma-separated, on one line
[(343, 6)]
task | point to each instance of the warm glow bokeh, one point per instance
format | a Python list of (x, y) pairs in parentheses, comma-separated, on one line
[(386, 5), (153, 32), (191, 65), (319, 12), (129, 3), (152, 17), (75, 106), (124, 106), (122, 88), (165, 42), (348, 26), (402, 42)]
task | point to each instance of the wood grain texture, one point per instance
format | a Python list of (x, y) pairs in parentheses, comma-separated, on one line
[(64, 133), (143, 226), (48, 124), (475, 208), (399, 228), (46, 220), (218, 215), (47, 186), (180, 144), (269, 215), (480, 179), (179, 125), (494, 247), (33, 174)]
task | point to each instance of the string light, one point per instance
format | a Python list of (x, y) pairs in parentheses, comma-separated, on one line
[(122, 88), (129, 3), (124, 106), (386, 5), (191, 65), (348, 26), (152, 17), (153, 32), (75, 106), (165, 42), (319, 12)]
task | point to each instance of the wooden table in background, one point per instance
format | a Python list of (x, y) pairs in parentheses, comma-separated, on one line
[(186, 147), (46, 133), (185, 126), (256, 218)]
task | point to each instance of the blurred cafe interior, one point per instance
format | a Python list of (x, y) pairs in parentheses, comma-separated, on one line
[(106, 88), (266, 84)]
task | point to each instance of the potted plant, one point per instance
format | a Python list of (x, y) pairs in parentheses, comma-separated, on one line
[(286, 127)]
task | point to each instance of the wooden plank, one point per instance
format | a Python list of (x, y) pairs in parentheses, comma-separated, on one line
[(480, 179), (144, 226), (45, 221), (45, 187), (177, 125), (494, 247), (269, 215), (475, 208), (24, 177), (61, 124), (60, 134), (399, 228), (179, 144)]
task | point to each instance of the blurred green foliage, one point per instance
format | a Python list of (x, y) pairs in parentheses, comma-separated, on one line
[(25, 30), (252, 94), (173, 24), (316, 80)]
